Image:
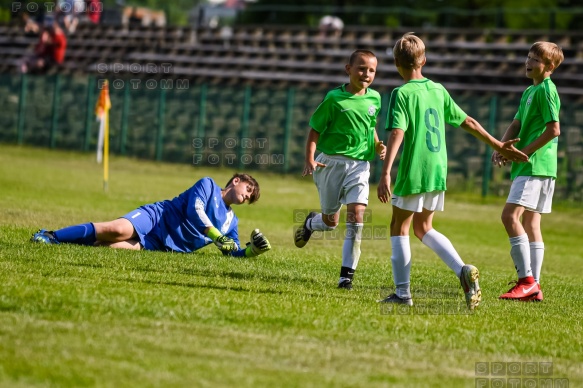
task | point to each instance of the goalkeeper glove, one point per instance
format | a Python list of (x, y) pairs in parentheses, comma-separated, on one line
[(224, 243), (258, 245)]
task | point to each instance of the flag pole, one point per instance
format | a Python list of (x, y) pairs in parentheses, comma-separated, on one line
[(100, 140), (106, 151)]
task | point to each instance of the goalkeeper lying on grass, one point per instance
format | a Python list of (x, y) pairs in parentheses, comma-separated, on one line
[(198, 217)]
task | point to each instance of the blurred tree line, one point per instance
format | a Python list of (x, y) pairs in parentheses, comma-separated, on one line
[(513, 14)]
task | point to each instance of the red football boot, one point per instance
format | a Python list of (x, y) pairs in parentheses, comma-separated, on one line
[(525, 288)]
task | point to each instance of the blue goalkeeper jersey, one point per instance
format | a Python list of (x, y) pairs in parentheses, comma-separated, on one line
[(179, 224)]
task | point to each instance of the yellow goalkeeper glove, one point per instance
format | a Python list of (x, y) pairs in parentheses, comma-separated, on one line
[(258, 244)]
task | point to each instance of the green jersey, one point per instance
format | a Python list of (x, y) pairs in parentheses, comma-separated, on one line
[(539, 105), (421, 108), (346, 123)]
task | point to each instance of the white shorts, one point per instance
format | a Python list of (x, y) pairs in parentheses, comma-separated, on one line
[(341, 182), (432, 201), (532, 192)]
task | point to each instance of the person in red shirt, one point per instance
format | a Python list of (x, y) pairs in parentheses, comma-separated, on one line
[(93, 10), (49, 51)]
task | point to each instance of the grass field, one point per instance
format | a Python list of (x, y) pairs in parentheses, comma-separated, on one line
[(81, 316)]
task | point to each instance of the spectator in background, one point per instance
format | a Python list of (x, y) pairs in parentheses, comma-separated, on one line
[(31, 18), (49, 51), (93, 10), (68, 12), (31, 25), (330, 26)]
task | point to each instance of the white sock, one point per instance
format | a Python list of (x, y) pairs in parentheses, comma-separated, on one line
[(441, 245), (401, 262), (537, 254), (351, 247), (520, 253), (317, 223)]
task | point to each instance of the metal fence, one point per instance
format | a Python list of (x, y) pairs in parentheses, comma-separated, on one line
[(251, 127)]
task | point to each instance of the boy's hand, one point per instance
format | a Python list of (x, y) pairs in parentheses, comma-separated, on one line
[(509, 152), (498, 160), (258, 245), (384, 189), (226, 244), (310, 167), (381, 149)]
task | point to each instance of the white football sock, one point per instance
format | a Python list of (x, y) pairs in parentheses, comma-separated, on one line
[(351, 247), (537, 254), (316, 223), (401, 263), (441, 245), (520, 253)]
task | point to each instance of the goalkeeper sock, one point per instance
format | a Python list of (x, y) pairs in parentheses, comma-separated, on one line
[(83, 234)]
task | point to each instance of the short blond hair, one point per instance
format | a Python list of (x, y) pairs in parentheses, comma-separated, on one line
[(549, 52), (409, 51)]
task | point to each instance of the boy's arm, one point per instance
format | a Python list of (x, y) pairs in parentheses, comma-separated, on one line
[(379, 147), (511, 132), (310, 164), (224, 243), (393, 144), (199, 195), (553, 129), (506, 148)]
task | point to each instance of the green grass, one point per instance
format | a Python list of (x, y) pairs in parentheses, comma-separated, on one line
[(80, 316)]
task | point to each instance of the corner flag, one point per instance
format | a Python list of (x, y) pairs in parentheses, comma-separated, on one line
[(102, 112)]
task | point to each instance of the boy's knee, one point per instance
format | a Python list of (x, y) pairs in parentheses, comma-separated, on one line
[(330, 220), (111, 229), (507, 218), (117, 229), (419, 233), (330, 224)]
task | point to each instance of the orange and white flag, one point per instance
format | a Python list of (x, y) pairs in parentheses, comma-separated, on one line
[(102, 112), (103, 103)]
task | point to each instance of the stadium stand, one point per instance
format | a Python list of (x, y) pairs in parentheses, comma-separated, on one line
[(487, 60), (474, 64)]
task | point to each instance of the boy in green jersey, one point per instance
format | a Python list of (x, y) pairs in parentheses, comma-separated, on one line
[(343, 130), (418, 112), (531, 193)]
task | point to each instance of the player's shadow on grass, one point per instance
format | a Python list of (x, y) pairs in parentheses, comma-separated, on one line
[(195, 285), (204, 273), (300, 282)]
